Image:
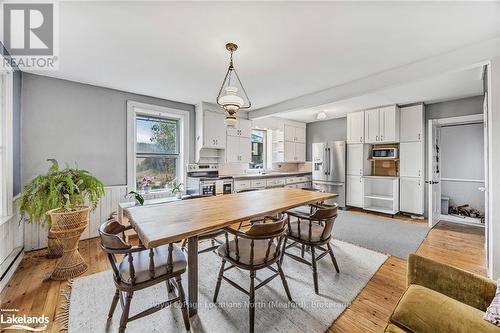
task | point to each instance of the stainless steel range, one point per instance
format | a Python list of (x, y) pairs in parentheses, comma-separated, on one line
[(205, 179)]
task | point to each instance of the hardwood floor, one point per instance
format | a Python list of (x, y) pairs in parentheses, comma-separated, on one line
[(459, 245)]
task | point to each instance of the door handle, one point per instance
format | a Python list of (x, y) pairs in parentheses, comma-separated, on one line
[(431, 182)]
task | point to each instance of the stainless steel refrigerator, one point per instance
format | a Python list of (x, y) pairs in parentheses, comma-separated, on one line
[(329, 167)]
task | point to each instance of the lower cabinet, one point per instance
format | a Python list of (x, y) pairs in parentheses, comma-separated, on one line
[(411, 195), (354, 189)]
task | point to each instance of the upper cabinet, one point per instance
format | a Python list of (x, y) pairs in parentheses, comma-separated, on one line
[(355, 127), (289, 141), (412, 123), (242, 129), (294, 133), (382, 125), (213, 130), (238, 150), (372, 126), (389, 124)]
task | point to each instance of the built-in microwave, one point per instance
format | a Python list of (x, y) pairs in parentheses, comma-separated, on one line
[(381, 153)]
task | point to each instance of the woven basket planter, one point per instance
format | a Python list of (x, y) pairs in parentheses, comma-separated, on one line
[(68, 226)]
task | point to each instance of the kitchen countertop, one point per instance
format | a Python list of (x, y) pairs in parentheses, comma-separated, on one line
[(269, 175)]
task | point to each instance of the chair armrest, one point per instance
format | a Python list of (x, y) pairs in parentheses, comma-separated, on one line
[(465, 287)]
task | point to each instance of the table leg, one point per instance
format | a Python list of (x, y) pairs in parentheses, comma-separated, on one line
[(193, 275)]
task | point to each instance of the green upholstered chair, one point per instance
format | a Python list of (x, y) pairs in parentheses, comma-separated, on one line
[(442, 299)]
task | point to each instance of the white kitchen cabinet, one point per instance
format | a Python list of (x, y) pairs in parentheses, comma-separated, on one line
[(294, 133), (357, 159), (382, 125), (411, 157), (238, 149), (372, 126), (412, 123), (354, 191), (412, 195), (355, 127), (242, 129), (214, 130), (289, 152), (245, 150), (389, 124), (300, 152)]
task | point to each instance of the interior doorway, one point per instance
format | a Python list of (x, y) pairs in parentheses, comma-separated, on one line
[(456, 170)]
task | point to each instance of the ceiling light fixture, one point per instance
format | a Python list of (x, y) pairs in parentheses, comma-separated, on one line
[(228, 97), (321, 115)]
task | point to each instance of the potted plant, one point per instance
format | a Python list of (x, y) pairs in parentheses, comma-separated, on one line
[(146, 184), (175, 188), (64, 190), (139, 199)]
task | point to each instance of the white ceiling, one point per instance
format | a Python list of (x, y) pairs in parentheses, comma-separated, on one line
[(175, 50), (450, 86)]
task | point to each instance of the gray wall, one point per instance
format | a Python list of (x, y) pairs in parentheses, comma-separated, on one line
[(455, 108), (74, 122), (462, 157), (328, 130)]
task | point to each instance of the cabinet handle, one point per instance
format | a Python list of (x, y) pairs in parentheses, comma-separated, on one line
[(381, 138), (360, 139), (376, 138), (360, 171), (418, 136), (360, 179), (419, 172)]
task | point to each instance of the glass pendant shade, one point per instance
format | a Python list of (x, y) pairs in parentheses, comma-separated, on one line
[(228, 97), (230, 101)]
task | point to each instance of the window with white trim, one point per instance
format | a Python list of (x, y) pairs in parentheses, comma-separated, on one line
[(6, 128), (157, 151), (158, 146)]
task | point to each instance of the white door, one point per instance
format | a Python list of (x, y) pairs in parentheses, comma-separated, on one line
[(411, 159), (214, 130), (434, 172), (355, 159), (245, 128), (372, 126), (289, 133), (300, 134), (354, 195), (411, 195), (412, 125), (389, 130), (355, 127), (245, 150), (233, 149), (289, 154), (300, 152)]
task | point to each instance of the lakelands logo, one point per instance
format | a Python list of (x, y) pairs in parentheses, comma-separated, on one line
[(22, 322), (29, 35)]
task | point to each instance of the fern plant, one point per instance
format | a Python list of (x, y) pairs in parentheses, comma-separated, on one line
[(67, 188)]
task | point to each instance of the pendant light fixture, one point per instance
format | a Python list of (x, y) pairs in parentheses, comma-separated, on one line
[(228, 97)]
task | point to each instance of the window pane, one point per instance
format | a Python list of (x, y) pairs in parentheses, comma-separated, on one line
[(258, 149), (157, 170), (155, 135)]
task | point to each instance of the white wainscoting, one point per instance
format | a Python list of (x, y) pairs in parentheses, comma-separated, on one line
[(35, 237), (11, 244)]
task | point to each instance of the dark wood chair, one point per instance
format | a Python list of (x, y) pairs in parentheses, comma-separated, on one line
[(142, 268), (257, 248), (312, 230), (212, 235)]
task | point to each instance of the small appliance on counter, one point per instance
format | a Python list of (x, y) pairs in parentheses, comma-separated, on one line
[(329, 168), (203, 179)]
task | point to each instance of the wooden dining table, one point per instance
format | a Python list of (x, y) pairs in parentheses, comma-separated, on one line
[(171, 222)]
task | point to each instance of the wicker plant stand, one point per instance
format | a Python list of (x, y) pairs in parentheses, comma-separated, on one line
[(68, 227)]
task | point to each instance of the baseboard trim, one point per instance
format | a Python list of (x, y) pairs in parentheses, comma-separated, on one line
[(9, 272)]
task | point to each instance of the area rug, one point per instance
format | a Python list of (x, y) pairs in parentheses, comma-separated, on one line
[(378, 233), (91, 297)]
